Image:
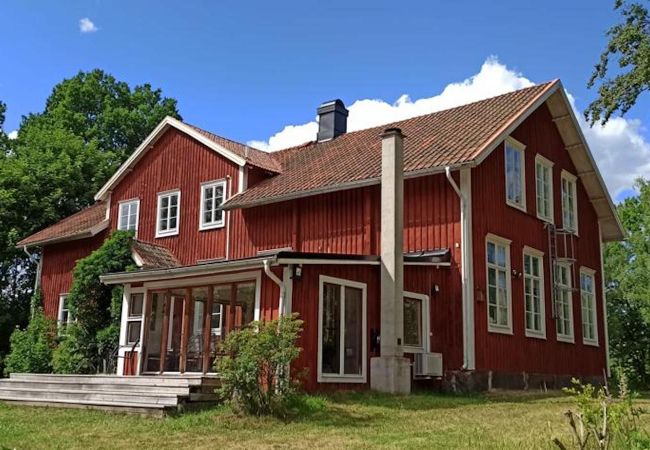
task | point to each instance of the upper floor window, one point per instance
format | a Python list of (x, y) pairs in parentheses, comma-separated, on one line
[(544, 188), (498, 284), (534, 293), (588, 305), (213, 195), (569, 202), (515, 177), (169, 207), (128, 215), (564, 302)]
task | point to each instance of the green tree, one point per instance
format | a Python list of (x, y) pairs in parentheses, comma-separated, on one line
[(629, 48), (627, 271)]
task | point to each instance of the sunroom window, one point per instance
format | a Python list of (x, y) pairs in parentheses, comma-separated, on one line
[(134, 320), (342, 331), (169, 204)]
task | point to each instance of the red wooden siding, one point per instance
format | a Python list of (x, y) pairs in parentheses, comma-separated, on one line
[(177, 162), (56, 273), (492, 215)]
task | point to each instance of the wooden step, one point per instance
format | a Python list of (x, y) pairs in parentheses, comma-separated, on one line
[(134, 389), (82, 396)]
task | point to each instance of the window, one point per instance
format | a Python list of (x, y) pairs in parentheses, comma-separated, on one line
[(544, 188), (564, 303), (534, 293), (588, 302), (134, 319), (65, 316), (169, 204), (515, 179), (498, 284), (416, 322), (212, 196), (569, 203), (216, 318), (342, 331), (128, 215)]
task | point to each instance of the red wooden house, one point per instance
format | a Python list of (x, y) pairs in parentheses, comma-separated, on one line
[(463, 244)]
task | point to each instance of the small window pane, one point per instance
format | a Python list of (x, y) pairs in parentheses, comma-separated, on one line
[(413, 322), (135, 304), (331, 333), (133, 332)]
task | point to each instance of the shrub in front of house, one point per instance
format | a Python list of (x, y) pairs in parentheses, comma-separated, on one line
[(255, 367), (31, 348)]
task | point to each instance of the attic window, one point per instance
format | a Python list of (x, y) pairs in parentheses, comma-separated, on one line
[(169, 204), (515, 175)]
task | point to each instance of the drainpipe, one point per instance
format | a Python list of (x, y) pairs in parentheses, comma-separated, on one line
[(269, 273), (466, 272), (229, 178)]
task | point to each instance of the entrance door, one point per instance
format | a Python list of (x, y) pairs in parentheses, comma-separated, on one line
[(175, 327)]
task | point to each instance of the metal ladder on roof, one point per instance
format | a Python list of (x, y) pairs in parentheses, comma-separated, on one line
[(561, 248)]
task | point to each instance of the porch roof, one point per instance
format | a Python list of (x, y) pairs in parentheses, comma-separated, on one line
[(435, 257)]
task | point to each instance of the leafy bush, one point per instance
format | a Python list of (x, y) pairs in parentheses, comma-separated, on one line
[(31, 348), (69, 356), (603, 421), (256, 378)]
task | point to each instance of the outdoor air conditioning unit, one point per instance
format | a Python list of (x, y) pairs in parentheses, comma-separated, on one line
[(428, 365)]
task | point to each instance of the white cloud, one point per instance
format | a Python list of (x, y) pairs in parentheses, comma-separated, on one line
[(620, 149), (13, 134), (87, 26)]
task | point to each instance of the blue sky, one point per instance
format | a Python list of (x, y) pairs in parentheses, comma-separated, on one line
[(246, 70)]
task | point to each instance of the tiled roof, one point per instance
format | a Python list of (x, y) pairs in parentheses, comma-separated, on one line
[(154, 256), (86, 223), (253, 156), (445, 138)]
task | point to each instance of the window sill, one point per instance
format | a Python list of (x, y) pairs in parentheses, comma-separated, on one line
[(341, 379), (590, 343), (566, 339), (214, 226), (500, 330), (546, 219), (164, 235), (407, 349), (535, 335), (517, 206)]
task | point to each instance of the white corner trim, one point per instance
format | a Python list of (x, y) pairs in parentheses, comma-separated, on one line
[(341, 378), (166, 123), (604, 302)]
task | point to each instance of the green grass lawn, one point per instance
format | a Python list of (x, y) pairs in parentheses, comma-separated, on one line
[(501, 421)]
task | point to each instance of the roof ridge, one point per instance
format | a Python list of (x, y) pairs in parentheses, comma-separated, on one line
[(390, 124)]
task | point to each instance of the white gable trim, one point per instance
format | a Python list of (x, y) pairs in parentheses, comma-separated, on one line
[(163, 126)]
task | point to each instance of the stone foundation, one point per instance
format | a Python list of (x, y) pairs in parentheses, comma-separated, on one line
[(480, 381)]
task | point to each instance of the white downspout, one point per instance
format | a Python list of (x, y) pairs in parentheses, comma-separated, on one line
[(466, 268), (228, 219), (269, 273)]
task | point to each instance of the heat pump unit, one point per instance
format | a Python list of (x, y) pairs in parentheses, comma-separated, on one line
[(428, 365)]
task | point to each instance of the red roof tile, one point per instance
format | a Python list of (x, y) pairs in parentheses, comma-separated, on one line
[(86, 223), (445, 138), (153, 256)]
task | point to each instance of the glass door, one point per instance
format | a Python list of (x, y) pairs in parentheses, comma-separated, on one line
[(174, 327)]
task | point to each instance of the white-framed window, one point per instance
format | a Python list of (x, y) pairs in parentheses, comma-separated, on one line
[(134, 318), (515, 174), (569, 202), (128, 215), (588, 305), (535, 317), (416, 322), (213, 194), (341, 331), (544, 188), (216, 319), (65, 316), (499, 293), (169, 213), (564, 303)]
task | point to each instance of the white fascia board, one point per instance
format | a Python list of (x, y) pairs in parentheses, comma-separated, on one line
[(151, 139)]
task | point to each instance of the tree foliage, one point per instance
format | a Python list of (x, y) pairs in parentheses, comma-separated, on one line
[(629, 47), (90, 124), (31, 348), (627, 271)]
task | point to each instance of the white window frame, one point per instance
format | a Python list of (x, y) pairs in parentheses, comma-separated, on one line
[(219, 223), (594, 312), (568, 337), (169, 231), (133, 201), (499, 241), (424, 300), (572, 181), (521, 148), (342, 378), (60, 325), (534, 253), (216, 331), (134, 318), (546, 164)]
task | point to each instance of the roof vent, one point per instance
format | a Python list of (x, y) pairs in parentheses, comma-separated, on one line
[(332, 120)]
